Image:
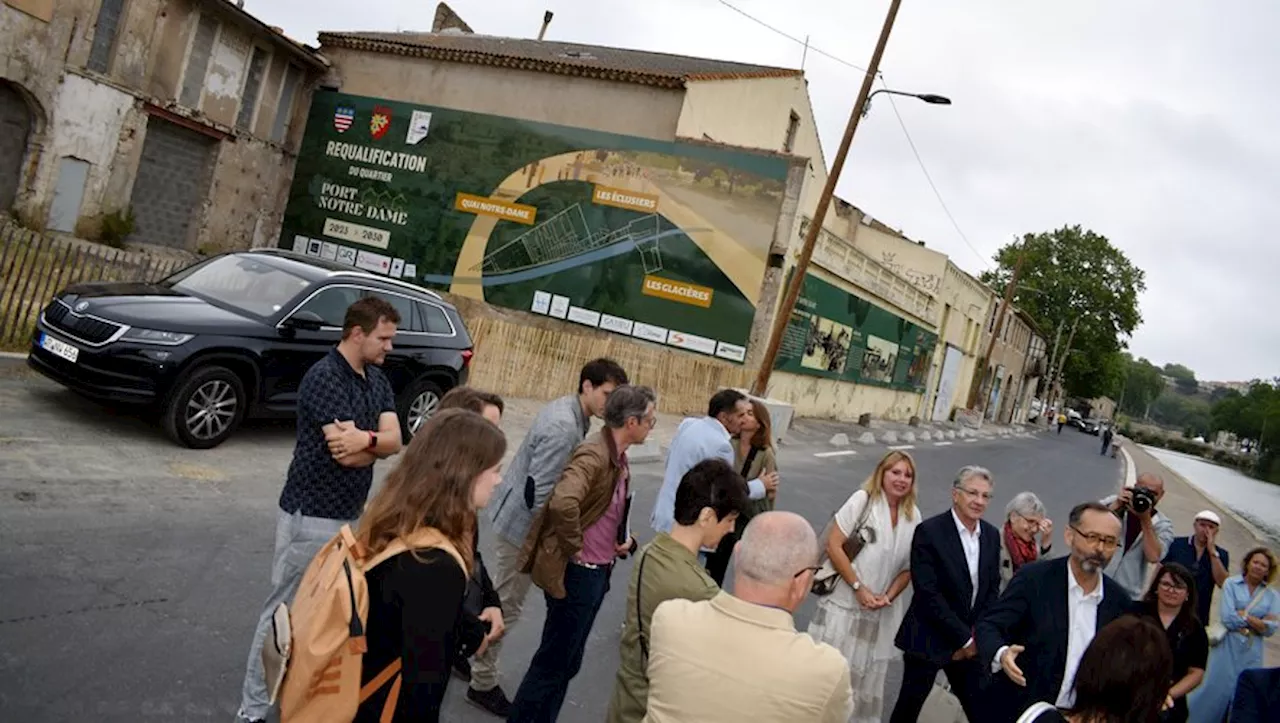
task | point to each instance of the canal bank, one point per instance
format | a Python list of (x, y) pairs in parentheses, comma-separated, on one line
[(1182, 500)]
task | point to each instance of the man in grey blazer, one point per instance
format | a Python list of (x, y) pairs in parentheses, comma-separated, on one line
[(526, 485)]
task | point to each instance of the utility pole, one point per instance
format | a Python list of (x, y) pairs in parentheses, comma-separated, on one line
[(995, 334), (783, 316)]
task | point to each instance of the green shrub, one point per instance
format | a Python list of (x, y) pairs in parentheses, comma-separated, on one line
[(116, 227)]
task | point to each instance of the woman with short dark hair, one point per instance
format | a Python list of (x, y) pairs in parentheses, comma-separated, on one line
[(1123, 677), (1171, 603)]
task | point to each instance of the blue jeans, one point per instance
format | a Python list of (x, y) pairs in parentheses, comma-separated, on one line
[(564, 640)]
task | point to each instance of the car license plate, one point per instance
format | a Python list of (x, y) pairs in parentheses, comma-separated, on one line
[(59, 348)]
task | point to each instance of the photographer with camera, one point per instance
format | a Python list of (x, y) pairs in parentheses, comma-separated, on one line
[(1147, 533)]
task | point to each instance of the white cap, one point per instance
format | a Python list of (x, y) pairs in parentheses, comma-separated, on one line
[(1209, 516)]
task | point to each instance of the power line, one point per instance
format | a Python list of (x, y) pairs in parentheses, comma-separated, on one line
[(790, 37), (901, 122), (929, 177)]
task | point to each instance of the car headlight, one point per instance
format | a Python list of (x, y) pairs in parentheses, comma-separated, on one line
[(153, 336)]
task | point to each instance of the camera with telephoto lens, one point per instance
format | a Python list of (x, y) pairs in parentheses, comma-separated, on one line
[(1142, 500)]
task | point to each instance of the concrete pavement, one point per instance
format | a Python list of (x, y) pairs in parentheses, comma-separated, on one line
[(131, 571)]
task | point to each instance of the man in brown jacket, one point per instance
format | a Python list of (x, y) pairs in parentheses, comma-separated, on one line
[(572, 545)]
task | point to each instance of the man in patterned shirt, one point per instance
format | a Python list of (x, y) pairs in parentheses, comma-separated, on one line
[(346, 422)]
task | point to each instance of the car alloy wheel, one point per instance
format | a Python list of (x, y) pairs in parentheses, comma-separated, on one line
[(210, 409), (421, 409)]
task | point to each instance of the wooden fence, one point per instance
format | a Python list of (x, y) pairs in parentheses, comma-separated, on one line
[(35, 267)]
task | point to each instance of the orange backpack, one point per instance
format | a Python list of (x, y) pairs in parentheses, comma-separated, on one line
[(319, 643)]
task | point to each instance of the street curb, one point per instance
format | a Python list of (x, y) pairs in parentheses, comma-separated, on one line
[(1214, 501)]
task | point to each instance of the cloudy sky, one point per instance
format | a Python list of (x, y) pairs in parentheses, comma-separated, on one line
[(1151, 122)]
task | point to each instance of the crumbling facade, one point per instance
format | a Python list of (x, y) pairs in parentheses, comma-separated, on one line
[(184, 115)]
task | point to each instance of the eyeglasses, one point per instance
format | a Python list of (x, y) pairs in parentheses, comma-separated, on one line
[(811, 568), (1172, 586), (985, 496), (1093, 538)]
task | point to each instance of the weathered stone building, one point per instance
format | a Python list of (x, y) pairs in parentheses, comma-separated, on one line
[(186, 112)]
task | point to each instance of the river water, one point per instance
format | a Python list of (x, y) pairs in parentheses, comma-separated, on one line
[(1256, 501)]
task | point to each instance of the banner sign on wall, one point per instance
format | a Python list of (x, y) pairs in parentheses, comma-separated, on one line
[(665, 242), (837, 335)]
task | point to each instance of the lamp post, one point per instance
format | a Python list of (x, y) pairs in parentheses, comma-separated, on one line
[(783, 315), (931, 98)]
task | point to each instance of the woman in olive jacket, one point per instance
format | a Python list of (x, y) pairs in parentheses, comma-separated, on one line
[(754, 455)]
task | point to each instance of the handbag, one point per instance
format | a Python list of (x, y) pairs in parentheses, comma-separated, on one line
[(1217, 632), (826, 579)]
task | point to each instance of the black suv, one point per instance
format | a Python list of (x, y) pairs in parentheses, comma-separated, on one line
[(233, 335)]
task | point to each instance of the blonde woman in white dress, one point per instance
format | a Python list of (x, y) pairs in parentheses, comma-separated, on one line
[(861, 616)]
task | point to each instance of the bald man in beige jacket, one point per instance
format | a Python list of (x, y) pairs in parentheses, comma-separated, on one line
[(738, 657)]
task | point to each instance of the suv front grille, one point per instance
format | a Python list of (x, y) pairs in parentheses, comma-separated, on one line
[(88, 329)]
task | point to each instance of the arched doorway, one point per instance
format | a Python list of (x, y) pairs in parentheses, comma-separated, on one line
[(15, 129)]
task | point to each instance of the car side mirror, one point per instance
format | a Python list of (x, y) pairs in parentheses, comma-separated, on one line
[(306, 320)]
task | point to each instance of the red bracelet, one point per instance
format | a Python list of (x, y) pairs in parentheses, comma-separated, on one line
[(373, 440)]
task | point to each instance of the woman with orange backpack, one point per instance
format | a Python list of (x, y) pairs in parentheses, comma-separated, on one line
[(448, 472)]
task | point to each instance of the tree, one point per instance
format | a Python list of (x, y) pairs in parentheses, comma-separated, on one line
[(1143, 384), (1072, 273), (1183, 378)]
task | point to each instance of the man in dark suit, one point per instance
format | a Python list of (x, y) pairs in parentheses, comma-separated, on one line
[(1257, 696), (1033, 637), (955, 570)]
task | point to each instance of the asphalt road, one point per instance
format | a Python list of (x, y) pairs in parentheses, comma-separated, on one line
[(132, 571)]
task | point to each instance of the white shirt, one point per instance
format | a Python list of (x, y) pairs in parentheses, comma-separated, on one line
[(971, 542), (1082, 624)]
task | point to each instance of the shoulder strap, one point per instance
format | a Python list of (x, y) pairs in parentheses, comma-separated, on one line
[(746, 463), (644, 646), (424, 538), (1035, 711), (866, 510), (1257, 597)]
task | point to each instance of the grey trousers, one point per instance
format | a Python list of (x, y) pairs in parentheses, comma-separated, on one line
[(298, 539), (512, 588)]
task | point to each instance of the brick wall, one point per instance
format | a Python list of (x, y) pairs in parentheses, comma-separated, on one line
[(172, 183)]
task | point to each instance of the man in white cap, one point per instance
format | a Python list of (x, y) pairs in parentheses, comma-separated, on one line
[(1209, 570)]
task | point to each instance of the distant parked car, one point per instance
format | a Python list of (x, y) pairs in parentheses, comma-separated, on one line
[(1091, 426), (232, 336)]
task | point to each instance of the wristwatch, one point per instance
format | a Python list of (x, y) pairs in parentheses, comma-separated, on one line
[(857, 585)]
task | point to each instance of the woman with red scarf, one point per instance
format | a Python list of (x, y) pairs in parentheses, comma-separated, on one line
[(1024, 520)]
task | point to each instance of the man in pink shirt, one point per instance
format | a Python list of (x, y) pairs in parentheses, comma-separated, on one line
[(572, 545)]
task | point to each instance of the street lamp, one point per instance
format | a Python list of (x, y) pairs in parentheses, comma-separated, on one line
[(926, 97)]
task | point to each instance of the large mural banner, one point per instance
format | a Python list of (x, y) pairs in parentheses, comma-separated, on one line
[(665, 242), (837, 335)]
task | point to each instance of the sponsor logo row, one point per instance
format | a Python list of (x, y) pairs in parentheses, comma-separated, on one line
[(559, 307)]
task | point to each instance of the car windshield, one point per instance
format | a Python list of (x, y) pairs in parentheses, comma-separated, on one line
[(241, 282)]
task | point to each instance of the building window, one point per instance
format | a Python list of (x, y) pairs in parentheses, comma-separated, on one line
[(793, 127), (104, 34), (280, 128), (198, 62), (252, 84)]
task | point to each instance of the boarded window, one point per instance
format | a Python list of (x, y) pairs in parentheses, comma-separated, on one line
[(198, 62), (252, 85), (104, 34), (284, 110)]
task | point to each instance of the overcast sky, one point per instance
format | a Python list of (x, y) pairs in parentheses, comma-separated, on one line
[(1151, 122)]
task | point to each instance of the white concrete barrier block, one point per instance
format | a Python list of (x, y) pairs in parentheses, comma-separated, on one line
[(908, 437), (867, 438), (925, 436), (840, 440), (780, 413), (889, 437), (950, 434)]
